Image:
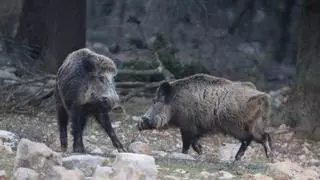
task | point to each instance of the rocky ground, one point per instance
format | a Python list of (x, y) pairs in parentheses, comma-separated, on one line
[(295, 158)]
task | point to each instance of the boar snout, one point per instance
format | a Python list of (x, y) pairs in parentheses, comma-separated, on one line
[(117, 109), (111, 101), (144, 123)]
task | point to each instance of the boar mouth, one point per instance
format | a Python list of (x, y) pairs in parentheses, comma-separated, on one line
[(144, 124)]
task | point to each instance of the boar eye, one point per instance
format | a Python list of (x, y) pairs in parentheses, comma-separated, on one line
[(101, 78)]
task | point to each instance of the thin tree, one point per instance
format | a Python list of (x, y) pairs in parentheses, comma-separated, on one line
[(304, 103)]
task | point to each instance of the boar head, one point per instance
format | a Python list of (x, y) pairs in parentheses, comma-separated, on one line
[(160, 112), (103, 89)]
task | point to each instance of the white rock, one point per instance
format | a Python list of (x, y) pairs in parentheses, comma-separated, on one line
[(61, 173), (5, 150), (180, 171), (176, 155), (159, 153), (2, 175), (114, 152), (116, 124), (86, 163), (228, 151), (135, 166), (36, 156), (102, 173), (136, 118), (139, 147), (25, 174), (89, 178), (97, 151), (256, 177), (9, 139), (223, 175)]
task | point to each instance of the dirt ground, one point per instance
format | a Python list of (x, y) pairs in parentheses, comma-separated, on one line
[(218, 150)]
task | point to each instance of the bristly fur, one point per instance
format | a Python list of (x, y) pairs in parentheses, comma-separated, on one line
[(87, 66), (201, 104), (85, 86), (210, 102)]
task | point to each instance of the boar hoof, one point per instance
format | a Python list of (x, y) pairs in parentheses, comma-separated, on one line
[(121, 150), (64, 144), (271, 158), (119, 147), (64, 148), (198, 148), (78, 149)]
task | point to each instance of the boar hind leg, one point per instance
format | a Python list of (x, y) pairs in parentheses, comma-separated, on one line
[(79, 119), (244, 145), (197, 147), (62, 117), (186, 140), (263, 138), (266, 142), (103, 119)]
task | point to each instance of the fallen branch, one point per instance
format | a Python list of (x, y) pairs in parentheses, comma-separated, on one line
[(137, 92), (161, 70), (125, 72), (26, 81)]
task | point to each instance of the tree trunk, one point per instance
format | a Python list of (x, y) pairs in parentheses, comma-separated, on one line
[(55, 27), (66, 31), (285, 20), (304, 103), (31, 24)]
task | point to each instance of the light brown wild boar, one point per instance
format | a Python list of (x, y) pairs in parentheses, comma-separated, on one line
[(85, 86), (201, 104)]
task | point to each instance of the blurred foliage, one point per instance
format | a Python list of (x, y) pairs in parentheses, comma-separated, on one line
[(169, 60), (140, 64), (178, 69), (173, 64)]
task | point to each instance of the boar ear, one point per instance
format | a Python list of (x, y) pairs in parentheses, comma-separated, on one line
[(165, 88)]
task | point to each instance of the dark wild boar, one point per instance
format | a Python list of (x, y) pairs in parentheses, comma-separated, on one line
[(201, 104), (85, 86)]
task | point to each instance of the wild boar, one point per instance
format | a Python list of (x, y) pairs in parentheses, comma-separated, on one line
[(85, 86), (201, 104)]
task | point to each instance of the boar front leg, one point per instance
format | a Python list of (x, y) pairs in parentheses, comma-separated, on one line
[(196, 145), (103, 120), (62, 117), (79, 119), (188, 138)]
